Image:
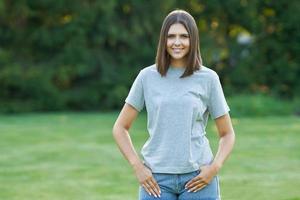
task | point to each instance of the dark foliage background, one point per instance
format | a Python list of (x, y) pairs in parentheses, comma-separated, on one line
[(84, 55)]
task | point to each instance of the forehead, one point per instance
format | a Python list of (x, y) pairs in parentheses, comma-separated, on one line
[(177, 28)]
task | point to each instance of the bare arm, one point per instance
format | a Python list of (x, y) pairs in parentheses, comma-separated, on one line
[(122, 137), (121, 134), (226, 142)]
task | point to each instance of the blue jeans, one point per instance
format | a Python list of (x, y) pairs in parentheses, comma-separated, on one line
[(173, 188)]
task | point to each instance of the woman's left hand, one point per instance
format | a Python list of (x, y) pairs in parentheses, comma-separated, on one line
[(201, 180)]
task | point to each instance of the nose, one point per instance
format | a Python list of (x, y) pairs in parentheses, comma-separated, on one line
[(177, 41)]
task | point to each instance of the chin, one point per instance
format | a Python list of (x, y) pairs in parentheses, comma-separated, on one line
[(177, 57)]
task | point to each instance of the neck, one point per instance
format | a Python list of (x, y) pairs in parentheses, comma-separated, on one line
[(178, 63)]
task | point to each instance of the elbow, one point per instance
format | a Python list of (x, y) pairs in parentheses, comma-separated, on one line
[(117, 130), (229, 136), (233, 137)]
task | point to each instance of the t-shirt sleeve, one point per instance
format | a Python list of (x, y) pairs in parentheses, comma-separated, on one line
[(136, 94), (217, 105)]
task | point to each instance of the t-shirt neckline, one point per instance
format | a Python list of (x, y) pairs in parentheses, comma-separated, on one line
[(177, 68)]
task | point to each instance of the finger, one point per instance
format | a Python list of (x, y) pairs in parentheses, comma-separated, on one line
[(194, 184), (200, 181), (201, 188), (145, 187), (154, 189), (192, 181), (150, 188), (197, 178), (197, 187), (156, 186)]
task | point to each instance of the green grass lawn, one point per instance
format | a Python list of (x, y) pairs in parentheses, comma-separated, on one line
[(73, 156)]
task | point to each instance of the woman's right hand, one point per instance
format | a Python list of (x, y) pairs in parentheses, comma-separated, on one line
[(146, 179)]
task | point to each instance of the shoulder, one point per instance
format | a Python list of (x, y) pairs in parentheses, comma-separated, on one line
[(145, 72), (207, 73), (148, 71)]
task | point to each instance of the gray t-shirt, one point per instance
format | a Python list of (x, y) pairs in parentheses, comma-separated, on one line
[(177, 114)]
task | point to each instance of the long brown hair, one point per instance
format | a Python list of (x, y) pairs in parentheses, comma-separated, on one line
[(163, 59)]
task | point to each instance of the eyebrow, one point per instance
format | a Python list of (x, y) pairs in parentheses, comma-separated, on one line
[(173, 34)]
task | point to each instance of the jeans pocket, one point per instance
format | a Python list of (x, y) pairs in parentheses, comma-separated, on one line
[(157, 177), (195, 173)]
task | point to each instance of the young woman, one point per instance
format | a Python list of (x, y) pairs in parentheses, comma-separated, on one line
[(179, 94)]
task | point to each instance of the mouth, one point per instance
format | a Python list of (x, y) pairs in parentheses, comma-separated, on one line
[(177, 50)]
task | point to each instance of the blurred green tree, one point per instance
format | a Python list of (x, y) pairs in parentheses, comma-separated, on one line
[(84, 55)]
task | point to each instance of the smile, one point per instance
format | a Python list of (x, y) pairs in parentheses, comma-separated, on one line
[(177, 50)]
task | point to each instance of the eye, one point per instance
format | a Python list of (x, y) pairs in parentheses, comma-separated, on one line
[(171, 36), (185, 36)]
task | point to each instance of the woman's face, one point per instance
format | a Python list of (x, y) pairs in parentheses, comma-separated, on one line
[(178, 42)]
